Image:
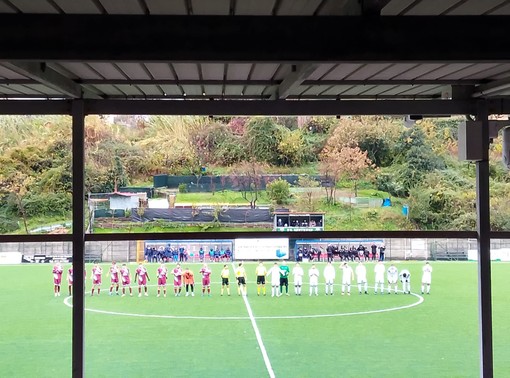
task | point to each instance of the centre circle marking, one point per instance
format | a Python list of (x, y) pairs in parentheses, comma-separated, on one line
[(414, 304)]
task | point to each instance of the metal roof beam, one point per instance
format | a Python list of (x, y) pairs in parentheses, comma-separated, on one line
[(43, 74), (44, 37), (293, 80), (492, 88), (258, 107)]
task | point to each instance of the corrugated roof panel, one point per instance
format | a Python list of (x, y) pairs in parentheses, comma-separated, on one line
[(475, 7), (296, 91), (4, 8), (444, 71), (166, 7), (109, 90), (398, 89), (320, 71), (431, 7), (358, 90), (134, 70), (129, 90), (150, 90), (503, 11), (298, 7), (186, 71), (436, 90), (378, 90), (238, 71), (254, 90), (342, 70), (6, 73), (192, 90), (213, 90), (418, 71), (25, 89), (337, 90), (171, 90), (233, 90), (264, 71), (393, 70), (8, 90), (395, 7), (33, 6), (417, 89), (314, 90), (254, 7), (212, 71), (122, 7), (491, 73), (107, 70), (160, 71), (81, 70), (41, 88), (208, 7), (78, 7), (367, 71), (282, 71), (468, 71)]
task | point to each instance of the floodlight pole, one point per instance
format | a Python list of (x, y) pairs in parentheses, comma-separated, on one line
[(78, 122), (484, 259)]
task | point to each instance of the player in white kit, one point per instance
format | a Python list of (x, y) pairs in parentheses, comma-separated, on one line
[(329, 276), (426, 278), (347, 277), (392, 274), (379, 271), (313, 274), (274, 272), (297, 273), (361, 277), (405, 278)]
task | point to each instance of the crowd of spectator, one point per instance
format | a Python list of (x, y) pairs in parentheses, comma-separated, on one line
[(180, 254), (341, 252)]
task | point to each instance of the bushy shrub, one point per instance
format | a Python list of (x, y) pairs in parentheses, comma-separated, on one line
[(278, 191), (183, 188), (47, 204)]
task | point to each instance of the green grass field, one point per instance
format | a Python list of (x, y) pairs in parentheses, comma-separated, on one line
[(214, 336)]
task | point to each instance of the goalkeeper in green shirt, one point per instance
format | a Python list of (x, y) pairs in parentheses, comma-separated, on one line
[(284, 279)]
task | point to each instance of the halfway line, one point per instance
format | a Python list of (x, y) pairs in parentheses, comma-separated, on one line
[(259, 338), (257, 334)]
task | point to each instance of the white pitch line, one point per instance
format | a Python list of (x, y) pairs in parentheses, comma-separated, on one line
[(259, 337)]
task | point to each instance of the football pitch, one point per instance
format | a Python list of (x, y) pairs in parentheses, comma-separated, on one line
[(371, 335)]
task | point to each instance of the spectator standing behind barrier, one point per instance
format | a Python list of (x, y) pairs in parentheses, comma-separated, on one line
[(382, 249), (373, 248), (329, 251)]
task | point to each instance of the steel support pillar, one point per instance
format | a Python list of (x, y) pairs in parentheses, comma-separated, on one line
[(484, 260), (78, 123)]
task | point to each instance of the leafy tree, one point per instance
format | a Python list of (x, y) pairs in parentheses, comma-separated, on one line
[(16, 186), (263, 136), (291, 147), (278, 191)]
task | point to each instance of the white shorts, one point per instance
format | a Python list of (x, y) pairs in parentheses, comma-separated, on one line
[(298, 281), (362, 280), (329, 281), (426, 280), (314, 282), (346, 282), (392, 280), (275, 283), (379, 279)]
